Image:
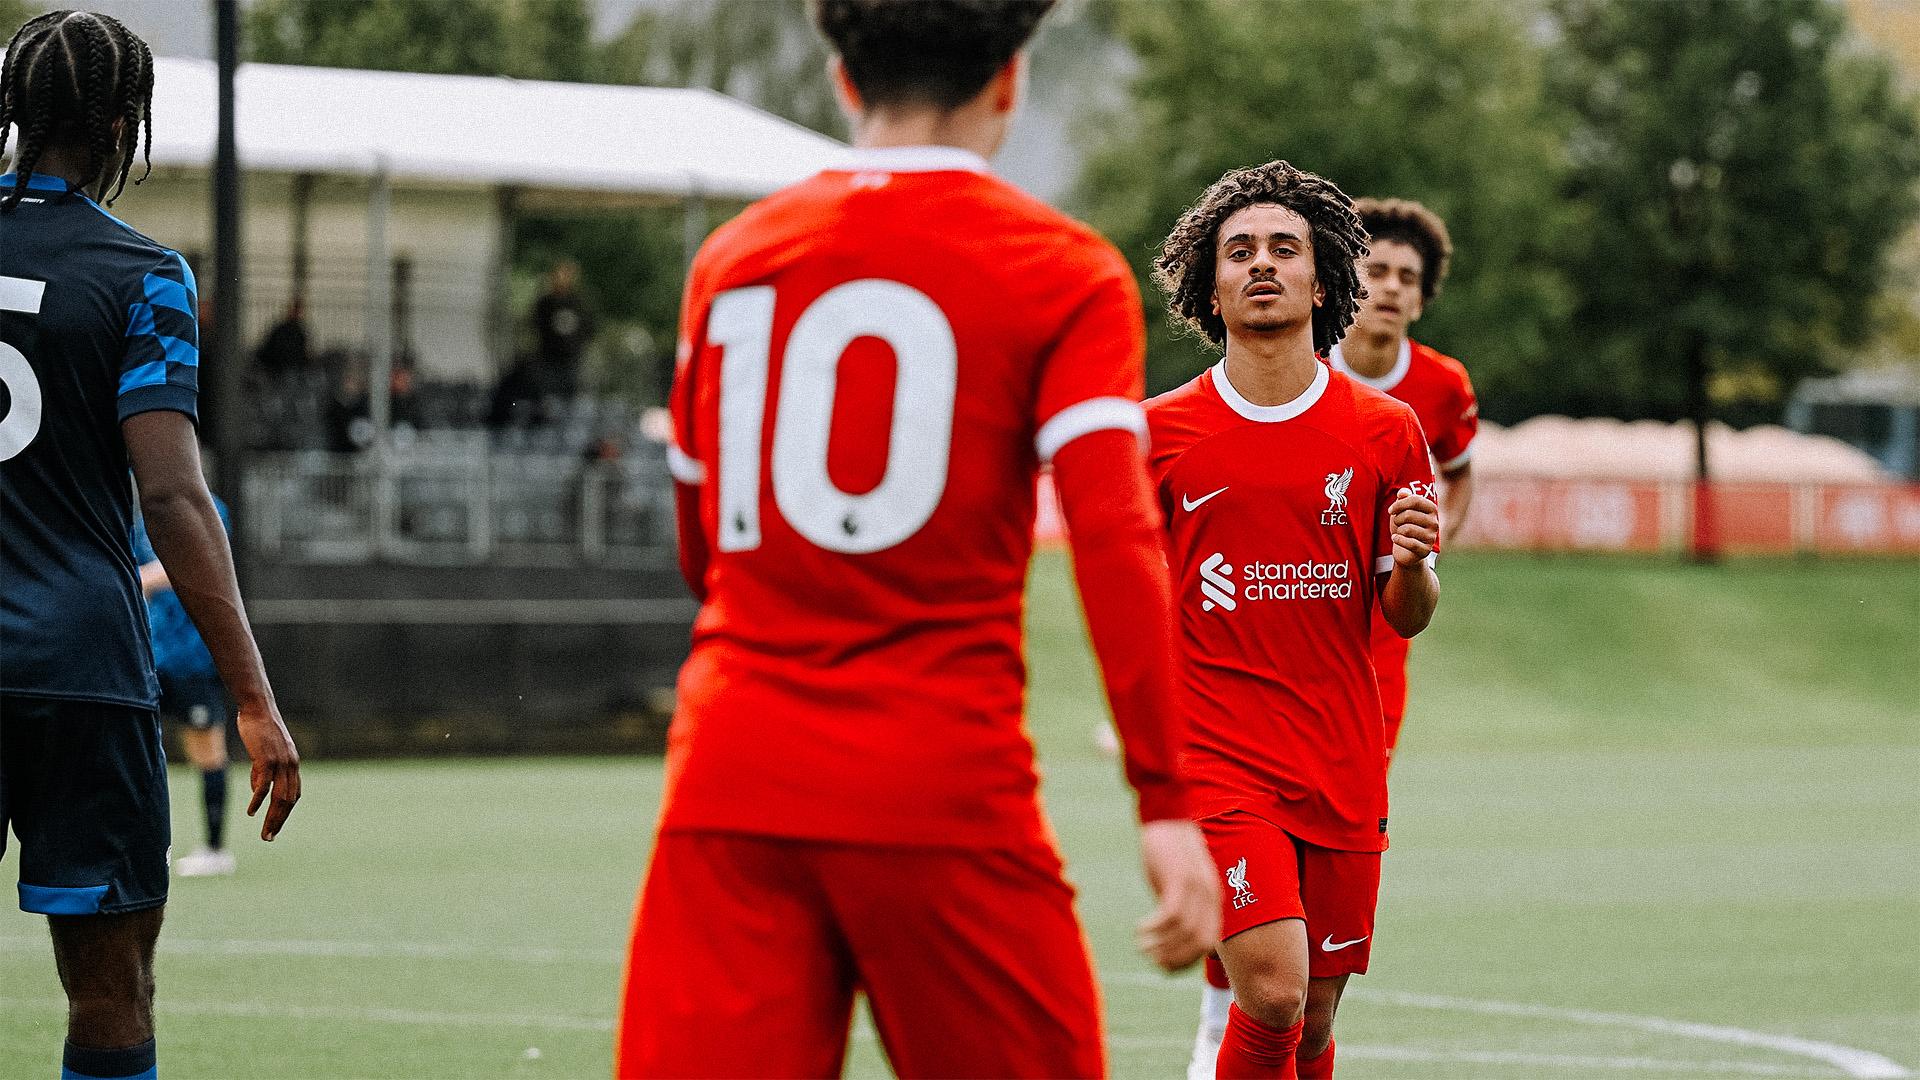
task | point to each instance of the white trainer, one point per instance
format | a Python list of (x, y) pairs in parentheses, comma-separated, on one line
[(206, 863)]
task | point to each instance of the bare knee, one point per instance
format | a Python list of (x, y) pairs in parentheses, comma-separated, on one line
[(106, 968), (1323, 1000), (207, 749), (1273, 998), (111, 1015)]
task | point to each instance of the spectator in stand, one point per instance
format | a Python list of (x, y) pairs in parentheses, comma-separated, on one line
[(285, 348), (563, 326)]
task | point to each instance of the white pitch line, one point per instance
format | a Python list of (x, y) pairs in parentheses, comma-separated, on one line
[(1855, 1063), (863, 1032), (1860, 1064), (415, 1017), (357, 950)]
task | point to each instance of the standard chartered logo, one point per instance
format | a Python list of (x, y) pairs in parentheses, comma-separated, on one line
[(1305, 580), (1216, 588)]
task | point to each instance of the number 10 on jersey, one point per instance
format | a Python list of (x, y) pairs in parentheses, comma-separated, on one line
[(919, 445)]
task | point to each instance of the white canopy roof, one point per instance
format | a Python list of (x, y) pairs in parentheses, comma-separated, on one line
[(481, 130)]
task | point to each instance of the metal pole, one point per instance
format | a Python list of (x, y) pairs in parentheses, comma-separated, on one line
[(301, 195), (224, 389), (380, 352)]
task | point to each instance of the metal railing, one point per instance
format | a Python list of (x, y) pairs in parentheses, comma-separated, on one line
[(459, 501)]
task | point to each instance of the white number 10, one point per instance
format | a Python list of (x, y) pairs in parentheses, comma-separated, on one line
[(918, 446)]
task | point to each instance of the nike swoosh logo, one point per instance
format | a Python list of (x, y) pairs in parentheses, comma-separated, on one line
[(1328, 944), (1193, 504)]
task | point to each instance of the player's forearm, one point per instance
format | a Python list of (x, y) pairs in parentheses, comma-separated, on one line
[(187, 535), (1409, 598), (1122, 578), (1455, 497)]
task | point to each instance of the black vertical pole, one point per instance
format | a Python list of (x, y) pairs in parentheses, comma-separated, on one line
[(224, 353)]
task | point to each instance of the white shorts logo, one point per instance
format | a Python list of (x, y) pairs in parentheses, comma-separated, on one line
[(1215, 586), (1237, 881)]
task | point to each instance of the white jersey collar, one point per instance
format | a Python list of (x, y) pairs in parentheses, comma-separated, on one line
[(908, 159), (1269, 414), (1385, 382)]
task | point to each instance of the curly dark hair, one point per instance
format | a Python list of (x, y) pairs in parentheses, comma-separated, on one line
[(1415, 226), (926, 52), (70, 76), (1186, 266)]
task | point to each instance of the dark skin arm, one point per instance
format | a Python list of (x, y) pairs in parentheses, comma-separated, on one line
[(187, 535)]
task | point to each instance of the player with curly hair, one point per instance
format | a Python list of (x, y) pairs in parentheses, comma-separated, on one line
[(1404, 267), (874, 366), (1296, 503)]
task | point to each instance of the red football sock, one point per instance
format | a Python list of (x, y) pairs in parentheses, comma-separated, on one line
[(1317, 1068), (1254, 1051), (1217, 973)]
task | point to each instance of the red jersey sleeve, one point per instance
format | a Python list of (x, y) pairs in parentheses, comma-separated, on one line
[(1094, 372), (1453, 443), (1403, 462), (688, 471)]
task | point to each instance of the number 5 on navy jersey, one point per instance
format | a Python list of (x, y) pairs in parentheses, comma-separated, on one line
[(22, 420)]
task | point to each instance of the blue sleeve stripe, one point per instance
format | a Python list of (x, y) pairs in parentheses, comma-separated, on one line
[(179, 352), (165, 292), (149, 374), (186, 273), (140, 320)]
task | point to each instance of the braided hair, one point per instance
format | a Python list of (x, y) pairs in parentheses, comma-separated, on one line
[(1186, 265), (69, 77)]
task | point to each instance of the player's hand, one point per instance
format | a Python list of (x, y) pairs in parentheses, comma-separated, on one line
[(1416, 527), (276, 764), (1186, 926)]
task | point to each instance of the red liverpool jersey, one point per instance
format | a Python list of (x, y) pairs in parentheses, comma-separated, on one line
[(875, 364), (1437, 387), (1278, 528)]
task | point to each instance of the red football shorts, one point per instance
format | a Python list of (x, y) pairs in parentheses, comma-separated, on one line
[(1271, 875), (1390, 673), (747, 952)]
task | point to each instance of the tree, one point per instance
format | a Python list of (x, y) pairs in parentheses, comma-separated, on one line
[(12, 14), (528, 39), (764, 52), (1744, 173), (1436, 101)]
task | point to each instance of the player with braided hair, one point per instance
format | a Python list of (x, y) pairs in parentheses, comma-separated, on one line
[(99, 360), (74, 77), (1296, 502)]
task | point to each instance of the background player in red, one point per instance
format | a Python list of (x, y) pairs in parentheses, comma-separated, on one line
[(875, 364), (1406, 262), (1297, 502)]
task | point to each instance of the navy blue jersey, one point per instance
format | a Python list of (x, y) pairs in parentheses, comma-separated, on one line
[(97, 323), (178, 649)]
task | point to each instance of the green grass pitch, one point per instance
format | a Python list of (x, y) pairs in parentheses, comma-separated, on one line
[(1651, 820)]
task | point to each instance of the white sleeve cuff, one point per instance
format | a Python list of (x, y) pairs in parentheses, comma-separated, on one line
[(1091, 415), (1383, 564), (1465, 455), (684, 467)]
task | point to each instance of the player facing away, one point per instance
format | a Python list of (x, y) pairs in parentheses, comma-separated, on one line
[(1296, 502), (190, 692), (1406, 262), (98, 351), (875, 364)]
